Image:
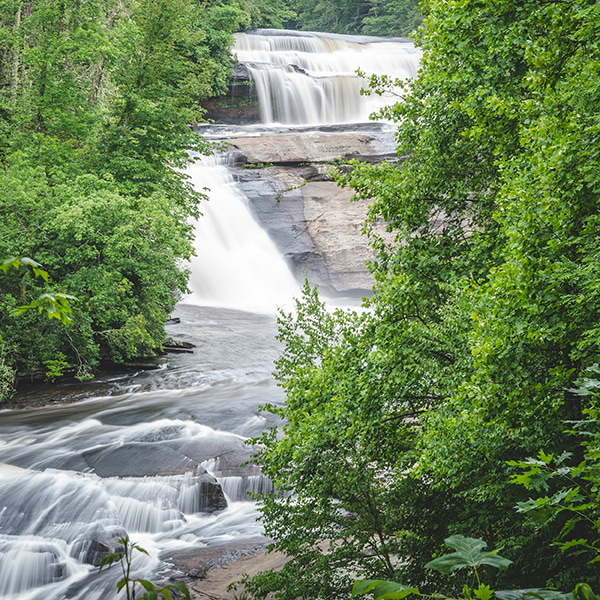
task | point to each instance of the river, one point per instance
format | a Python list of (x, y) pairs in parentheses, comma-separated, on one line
[(136, 455)]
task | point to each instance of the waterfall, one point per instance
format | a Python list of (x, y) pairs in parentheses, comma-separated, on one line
[(76, 477), (301, 79), (310, 79), (236, 263), (56, 524)]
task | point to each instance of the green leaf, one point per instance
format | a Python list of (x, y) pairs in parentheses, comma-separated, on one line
[(10, 263), (140, 549), (363, 586), (389, 590), (533, 594), (147, 585), (182, 588), (583, 591), (109, 559), (483, 592), (382, 590), (469, 553), (41, 273)]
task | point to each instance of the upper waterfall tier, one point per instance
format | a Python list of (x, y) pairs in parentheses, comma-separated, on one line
[(305, 78)]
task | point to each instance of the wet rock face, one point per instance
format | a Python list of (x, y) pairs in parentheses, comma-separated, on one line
[(311, 220), (194, 563), (239, 105), (160, 460), (306, 147), (98, 543), (138, 459)]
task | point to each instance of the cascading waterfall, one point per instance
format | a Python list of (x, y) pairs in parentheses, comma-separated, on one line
[(75, 477), (236, 263), (239, 488), (310, 79), (301, 78), (54, 522)]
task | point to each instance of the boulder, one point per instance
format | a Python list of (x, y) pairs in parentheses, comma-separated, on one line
[(153, 458), (98, 543), (177, 346), (196, 562), (138, 459), (312, 221), (335, 226)]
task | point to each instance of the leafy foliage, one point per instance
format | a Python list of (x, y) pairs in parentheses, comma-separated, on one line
[(468, 555), (571, 488), (386, 18), (400, 421), (56, 306), (97, 103)]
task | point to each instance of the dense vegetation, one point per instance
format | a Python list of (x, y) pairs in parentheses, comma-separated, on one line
[(404, 423), (371, 17), (96, 102)]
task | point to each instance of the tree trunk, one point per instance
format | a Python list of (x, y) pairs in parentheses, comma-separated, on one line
[(15, 55)]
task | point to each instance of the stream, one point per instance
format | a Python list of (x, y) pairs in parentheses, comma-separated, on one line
[(156, 454)]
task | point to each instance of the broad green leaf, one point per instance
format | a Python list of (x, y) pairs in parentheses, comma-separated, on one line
[(147, 585), (389, 590), (382, 590), (363, 586), (41, 273), (533, 594), (30, 262), (469, 553), (583, 591)]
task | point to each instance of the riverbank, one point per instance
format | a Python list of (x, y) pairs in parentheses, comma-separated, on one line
[(215, 584)]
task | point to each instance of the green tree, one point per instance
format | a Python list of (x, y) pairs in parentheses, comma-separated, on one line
[(387, 18), (372, 17), (97, 105), (176, 53), (485, 307)]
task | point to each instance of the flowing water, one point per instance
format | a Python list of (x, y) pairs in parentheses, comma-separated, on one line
[(124, 458), (304, 78), (237, 264)]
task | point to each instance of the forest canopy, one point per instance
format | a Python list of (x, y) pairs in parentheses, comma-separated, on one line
[(386, 18)]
